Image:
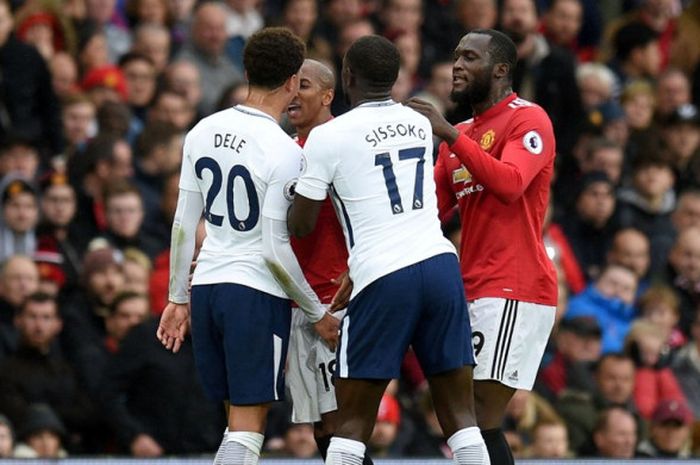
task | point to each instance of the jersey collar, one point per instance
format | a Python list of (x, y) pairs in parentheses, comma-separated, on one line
[(377, 103), (254, 112), (494, 110)]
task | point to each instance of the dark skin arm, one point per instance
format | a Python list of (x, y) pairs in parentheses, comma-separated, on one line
[(302, 215), (441, 128)]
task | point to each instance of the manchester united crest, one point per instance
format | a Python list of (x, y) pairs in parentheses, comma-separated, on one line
[(487, 139)]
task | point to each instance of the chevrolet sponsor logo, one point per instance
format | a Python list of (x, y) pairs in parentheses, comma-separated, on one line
[(461, 174)]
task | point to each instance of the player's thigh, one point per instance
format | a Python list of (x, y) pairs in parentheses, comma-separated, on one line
[(207, 344), (442, 338), (255, 330), (378, 326), (310, 367), (509, 340)]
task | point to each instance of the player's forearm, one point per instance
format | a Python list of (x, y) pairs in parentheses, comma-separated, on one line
[(503, 179), (284, 266), (182, 242)]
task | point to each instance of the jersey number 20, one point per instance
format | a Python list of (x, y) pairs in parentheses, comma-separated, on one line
[(239, 224), (384, 160)]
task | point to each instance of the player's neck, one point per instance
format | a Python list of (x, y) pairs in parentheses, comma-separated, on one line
[(323, 117), (494, 97), (367, 97), (267, 102)]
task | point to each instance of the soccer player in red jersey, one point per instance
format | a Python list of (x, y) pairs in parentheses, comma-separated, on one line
[(323, 257), (497, 168)]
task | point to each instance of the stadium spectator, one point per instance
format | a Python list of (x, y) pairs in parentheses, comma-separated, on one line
[(687, 212), (129, 309), (102, 13), (64, 74), (549, 441), (7, 438), (299, 441), (561, 25), (153, 401), (140, 74), (525, 410), (596, 84), (148, 12), (183, 77), (681, 134), (301, 17), (153, 41), (591, 230), (173, 108), (57, 234), (654, 381), (29, 105), (41, 434), (38, 372), (20, 215), (84, 312), (78, 119), (243, 18), (137, 271), (386, 428), (581, 410), (578, 347), (686, 367), (639, 104), (544, 74), (637, 54), (672, 91), (615, 434), (660, 306), (669, 432), (19, 156), (206, 49), (630, 248), (683, 273)]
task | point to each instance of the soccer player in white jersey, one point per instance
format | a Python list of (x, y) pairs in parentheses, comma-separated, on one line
[(239, 168), (407, 285)]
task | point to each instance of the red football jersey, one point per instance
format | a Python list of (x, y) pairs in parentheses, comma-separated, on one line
[(498, 171), (322, 254)]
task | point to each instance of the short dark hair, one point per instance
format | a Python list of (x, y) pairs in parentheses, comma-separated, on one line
[(155, 134), (118, 188), (39, 298), (375, 61), (501, 49), (271, 56), (632, 36), (615, 356), (134, 56), (123, 297)]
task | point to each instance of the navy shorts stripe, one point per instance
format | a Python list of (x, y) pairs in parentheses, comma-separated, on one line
[(240, 337)]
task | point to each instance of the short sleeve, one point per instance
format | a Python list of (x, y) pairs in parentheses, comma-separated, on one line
[(281, 182), (319, 167), (188, 179)]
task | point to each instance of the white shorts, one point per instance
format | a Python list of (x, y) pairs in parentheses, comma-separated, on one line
[(509, 339), (310, 368)]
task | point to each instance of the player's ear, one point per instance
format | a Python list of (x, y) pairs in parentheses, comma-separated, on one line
[(328, 97), (501, 70)]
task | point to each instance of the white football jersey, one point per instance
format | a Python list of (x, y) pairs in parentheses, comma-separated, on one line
[(376, 161), (244, 166)]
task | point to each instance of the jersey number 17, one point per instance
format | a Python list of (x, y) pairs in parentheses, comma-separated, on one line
[(384, 160)]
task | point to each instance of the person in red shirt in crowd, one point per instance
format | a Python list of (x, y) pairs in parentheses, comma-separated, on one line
[(323, 257), (497, 168)]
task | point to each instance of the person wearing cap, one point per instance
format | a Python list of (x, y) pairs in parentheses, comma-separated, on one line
[(20, 156), (20, 215), (681, 134), (577, 348), (105, 84), (591, 228), (669, 432), (41, 434), (38, 371)]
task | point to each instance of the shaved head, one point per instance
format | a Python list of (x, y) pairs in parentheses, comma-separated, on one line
[(319, 72)]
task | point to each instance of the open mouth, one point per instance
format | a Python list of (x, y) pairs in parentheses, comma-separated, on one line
[(294, 110)]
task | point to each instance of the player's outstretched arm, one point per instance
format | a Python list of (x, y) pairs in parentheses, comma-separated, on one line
[(175, 318), (284, 266), (302, 216)]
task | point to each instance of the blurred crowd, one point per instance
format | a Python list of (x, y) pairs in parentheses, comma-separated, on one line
[(96, 96)]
